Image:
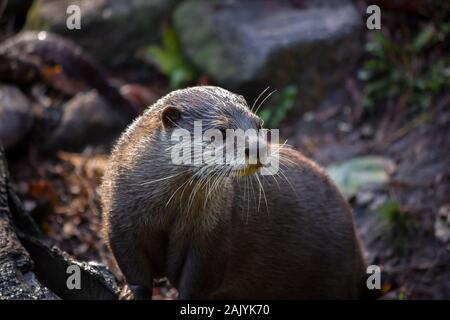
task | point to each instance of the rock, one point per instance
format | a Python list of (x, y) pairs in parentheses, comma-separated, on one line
[(16, 117), (31, 269), (30, 57), (87, 120), (139, 96), (14, 13), (364, 198), (442, 224), (50, 265), (248, 45), (111, 30), (17, 280)]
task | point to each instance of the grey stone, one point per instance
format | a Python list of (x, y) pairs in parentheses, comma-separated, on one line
[(442, 224), (88, 119), (111, 30), (16, 117), (247, 44)]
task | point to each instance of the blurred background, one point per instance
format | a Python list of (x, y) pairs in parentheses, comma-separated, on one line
[(372, 106)]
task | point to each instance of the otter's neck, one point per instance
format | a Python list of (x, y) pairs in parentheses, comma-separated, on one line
[(197, 204)]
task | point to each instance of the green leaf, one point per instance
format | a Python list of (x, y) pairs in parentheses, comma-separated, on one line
[(273, 115), (171, 61), (376, 65), (424, 38), (358, 173)]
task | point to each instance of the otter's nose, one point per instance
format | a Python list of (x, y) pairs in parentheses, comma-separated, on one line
[(255, 151)]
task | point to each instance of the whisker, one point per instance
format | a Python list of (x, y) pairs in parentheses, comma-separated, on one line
[(262, 102), (264, 193), (256, 101), (162, 179)]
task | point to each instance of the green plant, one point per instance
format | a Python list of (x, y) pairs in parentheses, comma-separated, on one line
[(171, 60), (406, 72), (34, 20), (400, 225), (276, 113)]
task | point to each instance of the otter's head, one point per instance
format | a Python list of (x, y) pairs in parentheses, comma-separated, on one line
[(214, 133)]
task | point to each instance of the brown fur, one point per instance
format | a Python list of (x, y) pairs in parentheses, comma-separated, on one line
[(299, 244)]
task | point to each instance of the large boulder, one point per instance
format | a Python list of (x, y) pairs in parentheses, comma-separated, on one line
[(111, 30), (248, 45)]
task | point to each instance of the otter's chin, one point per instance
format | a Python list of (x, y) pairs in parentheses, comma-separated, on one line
[(249, 170)]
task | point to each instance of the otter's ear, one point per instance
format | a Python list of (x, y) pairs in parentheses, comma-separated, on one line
[(170, 116)]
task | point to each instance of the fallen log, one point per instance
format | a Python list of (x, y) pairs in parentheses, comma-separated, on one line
[(30, 268)]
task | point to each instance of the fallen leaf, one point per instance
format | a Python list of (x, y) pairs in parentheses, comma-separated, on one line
[(359, 173)]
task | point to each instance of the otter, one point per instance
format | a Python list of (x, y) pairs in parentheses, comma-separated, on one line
[(219, 235)]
